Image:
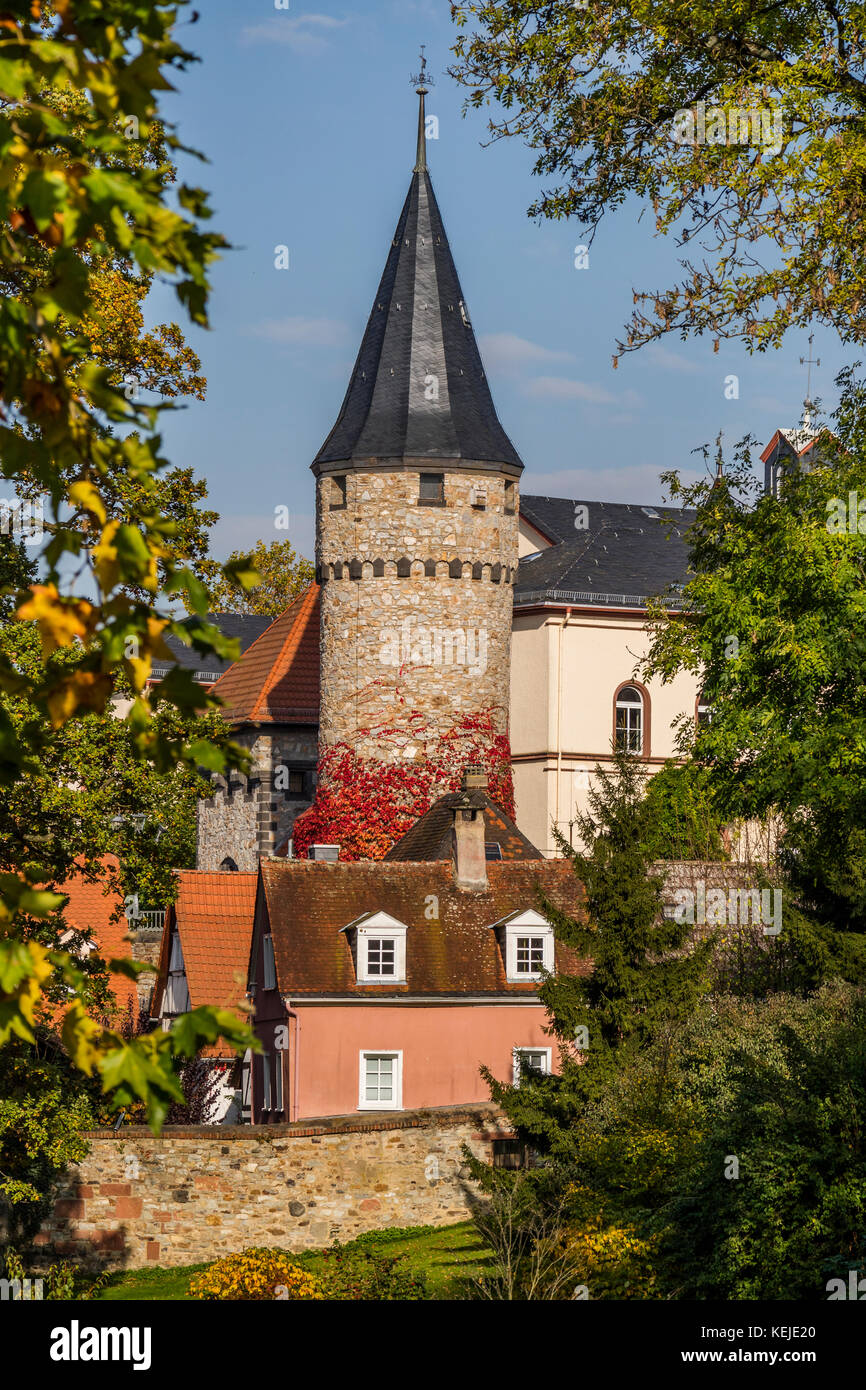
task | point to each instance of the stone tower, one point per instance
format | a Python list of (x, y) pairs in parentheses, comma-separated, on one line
[(416, 509)]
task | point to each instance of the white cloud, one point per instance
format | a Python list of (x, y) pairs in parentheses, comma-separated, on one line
[(426, 9), (659, 356), (306, 34), (305, 332), (562, 388), (506, 352), (637, 483)]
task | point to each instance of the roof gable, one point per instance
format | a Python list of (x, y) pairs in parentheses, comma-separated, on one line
[(214, 917), (429, 838), (381, 921)]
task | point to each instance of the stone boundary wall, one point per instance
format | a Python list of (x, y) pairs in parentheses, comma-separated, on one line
[(197, 1193)]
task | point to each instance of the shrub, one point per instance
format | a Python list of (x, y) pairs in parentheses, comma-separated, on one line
[(360, 1271), (255, 1274)]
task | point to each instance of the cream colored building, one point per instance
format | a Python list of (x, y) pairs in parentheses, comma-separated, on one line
[(579, 635)]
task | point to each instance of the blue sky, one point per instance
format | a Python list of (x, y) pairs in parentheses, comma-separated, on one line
[(308, 121)]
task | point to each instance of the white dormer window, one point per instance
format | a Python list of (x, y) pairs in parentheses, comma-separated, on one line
[(528, 946), (379, 949)]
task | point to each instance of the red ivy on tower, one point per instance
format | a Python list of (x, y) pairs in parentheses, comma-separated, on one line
[(365, 805)]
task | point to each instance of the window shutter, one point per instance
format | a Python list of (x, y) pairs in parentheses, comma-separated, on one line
[(270, 970)]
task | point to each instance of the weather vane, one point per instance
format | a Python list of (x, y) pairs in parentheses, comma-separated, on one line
[(812, 362), (422, 78)]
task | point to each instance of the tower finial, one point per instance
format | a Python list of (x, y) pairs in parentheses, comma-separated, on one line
[(422, 82), (808, 404)]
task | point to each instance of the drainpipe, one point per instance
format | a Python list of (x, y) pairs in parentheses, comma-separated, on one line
[(562, 626), (296, 1070)]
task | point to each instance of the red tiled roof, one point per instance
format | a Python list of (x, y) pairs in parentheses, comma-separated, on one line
[(90, 910), (276, 681), (214, 915), (308, 902)]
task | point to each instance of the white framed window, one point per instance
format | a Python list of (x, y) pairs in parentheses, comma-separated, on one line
[(629, 720), (528, 947), (381, 1080), (381, 955), (536, 1058), (380, 950)]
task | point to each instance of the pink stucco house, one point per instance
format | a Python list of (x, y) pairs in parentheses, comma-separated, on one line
[(378, 986), (386, 986)]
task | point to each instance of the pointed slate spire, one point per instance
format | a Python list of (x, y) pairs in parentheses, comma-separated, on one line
[(418, 390)]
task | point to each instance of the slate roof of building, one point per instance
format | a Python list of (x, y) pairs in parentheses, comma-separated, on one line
[(625, 555), (244, 626), (430, 836), (310, 902), (419, 327), (214, 916), (276, 681)]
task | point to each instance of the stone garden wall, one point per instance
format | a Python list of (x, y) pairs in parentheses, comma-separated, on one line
[(195, 1194)]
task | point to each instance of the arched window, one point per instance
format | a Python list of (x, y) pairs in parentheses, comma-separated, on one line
[(629, 720), (228, 866)]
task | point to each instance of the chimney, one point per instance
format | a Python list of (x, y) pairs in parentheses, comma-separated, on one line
[(468, 849), (330, 853)]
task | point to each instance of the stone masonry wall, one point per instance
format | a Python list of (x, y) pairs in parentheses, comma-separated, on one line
[(416, 604), (250, 816), (196, 1194), (146, 942)]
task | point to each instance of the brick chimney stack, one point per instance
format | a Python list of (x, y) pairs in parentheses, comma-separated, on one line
[(468, 852)]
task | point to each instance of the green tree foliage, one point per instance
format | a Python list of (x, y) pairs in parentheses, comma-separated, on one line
[(281, 574), (44, 1107), (780, 1086), (86, 793), (764, 219), (76, 202), (683, 823), (723, 1161), (774, 617), (645, 975), (113, 336)]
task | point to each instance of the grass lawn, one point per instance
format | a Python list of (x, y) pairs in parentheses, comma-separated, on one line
[(445, 1255)]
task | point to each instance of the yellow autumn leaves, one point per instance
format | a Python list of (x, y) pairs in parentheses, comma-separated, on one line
[(255, 1274)]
